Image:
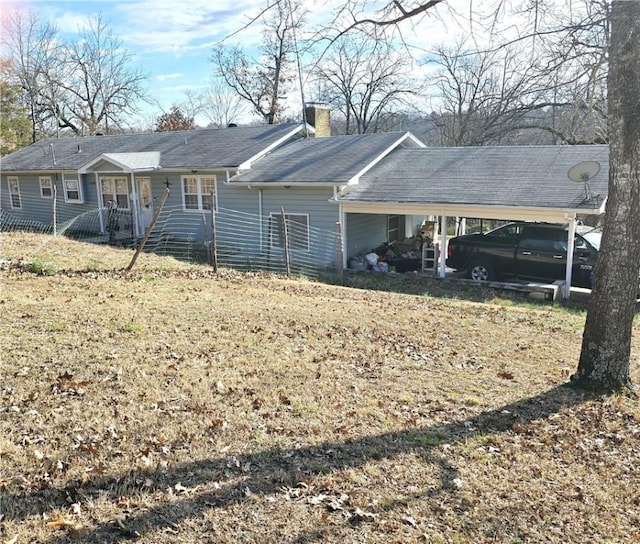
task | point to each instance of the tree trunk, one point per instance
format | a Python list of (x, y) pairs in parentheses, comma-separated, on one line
[(606, 342)]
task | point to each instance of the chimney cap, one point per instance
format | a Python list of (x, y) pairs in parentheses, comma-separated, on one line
[(320, 105)]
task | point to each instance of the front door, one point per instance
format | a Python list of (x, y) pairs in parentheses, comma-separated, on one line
[(145, 203)]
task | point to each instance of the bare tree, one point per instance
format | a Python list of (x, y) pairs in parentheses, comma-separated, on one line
[(32, 47), (262, 82), (496, 96), (15, 128), (86, 85), (220, 105), (100, 87), (366, 80), (192, 104), (606, 343)]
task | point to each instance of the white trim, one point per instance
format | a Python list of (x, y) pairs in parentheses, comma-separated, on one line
[(78, 180), (40, 180), (442, 272), (246, 165), (111, 159), (343, 220), (114, 178), (199, 194), (12, 194), (553, 215), (569, 265), (305, 184), (407, 136)]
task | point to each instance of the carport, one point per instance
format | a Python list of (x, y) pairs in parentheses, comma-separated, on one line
[(555, 184)]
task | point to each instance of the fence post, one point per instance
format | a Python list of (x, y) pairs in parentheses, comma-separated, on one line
[(339, 254), (149, 230), (55, 210), (285, 229), (214, 249)]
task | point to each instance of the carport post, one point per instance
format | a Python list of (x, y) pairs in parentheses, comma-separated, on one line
[(570, 246), (443, 246)]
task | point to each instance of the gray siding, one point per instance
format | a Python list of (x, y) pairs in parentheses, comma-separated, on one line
[(36, 209), (238, 225), (365, 232)]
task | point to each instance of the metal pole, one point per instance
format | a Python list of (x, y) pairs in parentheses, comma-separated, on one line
[(339, 256), (55, 211), (285, 230), (214, 250)]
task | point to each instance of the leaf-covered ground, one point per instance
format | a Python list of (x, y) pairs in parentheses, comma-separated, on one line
[(174, 405)]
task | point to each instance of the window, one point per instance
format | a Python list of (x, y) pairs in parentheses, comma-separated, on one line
[(46, 187), (14, 192), (199, 193), (544, 239), (297, 230), (395, 228), (115, 191), (72, 189)]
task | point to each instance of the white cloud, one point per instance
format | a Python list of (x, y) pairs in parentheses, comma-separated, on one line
[(165, 77)]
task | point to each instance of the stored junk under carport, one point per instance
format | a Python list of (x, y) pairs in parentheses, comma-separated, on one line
[(528, 183)]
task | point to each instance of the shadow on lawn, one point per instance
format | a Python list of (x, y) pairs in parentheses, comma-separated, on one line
[(454, 287), (266, 465)]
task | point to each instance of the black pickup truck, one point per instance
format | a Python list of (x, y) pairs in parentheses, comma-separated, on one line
[(530, 251)]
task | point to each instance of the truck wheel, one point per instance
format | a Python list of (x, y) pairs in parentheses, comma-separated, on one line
[(480, 271)]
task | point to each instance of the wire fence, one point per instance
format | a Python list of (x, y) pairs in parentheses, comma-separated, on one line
[(280, 243)]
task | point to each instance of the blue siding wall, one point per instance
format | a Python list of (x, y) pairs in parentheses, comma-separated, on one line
[(38, 209), (364, 232)]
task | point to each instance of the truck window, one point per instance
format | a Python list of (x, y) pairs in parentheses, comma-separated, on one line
[(543, 239), (508, 231)]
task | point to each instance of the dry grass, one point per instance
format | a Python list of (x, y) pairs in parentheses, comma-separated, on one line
[(172, 405)]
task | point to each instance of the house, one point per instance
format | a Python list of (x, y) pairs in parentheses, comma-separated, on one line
[(373, 187), (131, 171), (109, 187)]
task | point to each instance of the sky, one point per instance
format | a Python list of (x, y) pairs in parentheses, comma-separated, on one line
[(171, 40)]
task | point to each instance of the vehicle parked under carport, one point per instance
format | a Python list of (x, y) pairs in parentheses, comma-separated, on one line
[(525, 250)]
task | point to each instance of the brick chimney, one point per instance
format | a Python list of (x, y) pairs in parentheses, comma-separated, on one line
[(318, 115)]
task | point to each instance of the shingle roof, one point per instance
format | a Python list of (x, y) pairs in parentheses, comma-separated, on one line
[(523, 176), (202, 148), (135, 161), (334, 159)]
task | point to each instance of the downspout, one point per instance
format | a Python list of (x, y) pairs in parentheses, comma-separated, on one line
[(342, 217), (343, 230), (260, 216)]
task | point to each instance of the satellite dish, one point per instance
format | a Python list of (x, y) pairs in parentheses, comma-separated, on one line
[(582, 173)]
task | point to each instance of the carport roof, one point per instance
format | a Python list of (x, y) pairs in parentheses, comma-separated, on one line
[(513, 178)]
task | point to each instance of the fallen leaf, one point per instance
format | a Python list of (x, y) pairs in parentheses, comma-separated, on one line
[(318, 499), (61, 521), (364, 516), (409, 520)]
